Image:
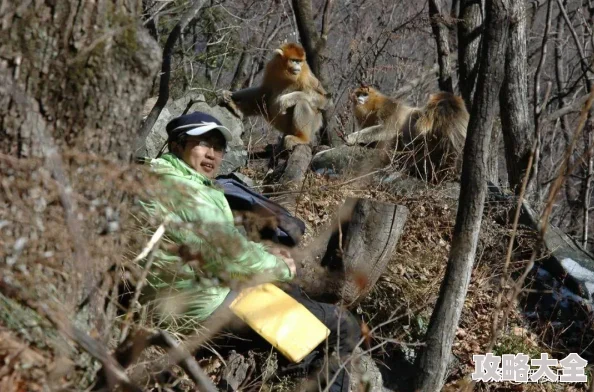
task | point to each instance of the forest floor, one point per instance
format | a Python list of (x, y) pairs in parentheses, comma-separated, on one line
[(543, 321)]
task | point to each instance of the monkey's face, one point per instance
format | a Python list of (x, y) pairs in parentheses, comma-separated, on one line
[(361, 96), (294, 66), (291, 59)]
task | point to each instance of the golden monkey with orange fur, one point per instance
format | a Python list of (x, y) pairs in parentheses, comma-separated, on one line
[(439, 126), (290, 97)]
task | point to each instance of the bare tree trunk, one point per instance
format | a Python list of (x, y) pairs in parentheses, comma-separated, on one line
[(571, 191), (513, 100), (314, 45), (493, 162), (150, 120), (470, 28), (538, 106), (433, 361), (440, 32), (307, 32), (586, 69), (560, 77)]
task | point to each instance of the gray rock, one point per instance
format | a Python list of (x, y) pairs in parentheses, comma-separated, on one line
[(345, 159), (234, 159), (156, 137), (366, 373), (402, 185), (183, 105), (237, 370)]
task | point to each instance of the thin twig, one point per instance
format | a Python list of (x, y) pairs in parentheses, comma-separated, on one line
[(155, 238), (585, 66), (544, 221)]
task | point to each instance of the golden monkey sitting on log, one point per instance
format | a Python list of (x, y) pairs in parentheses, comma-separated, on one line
[(436, 132), (290, 97)]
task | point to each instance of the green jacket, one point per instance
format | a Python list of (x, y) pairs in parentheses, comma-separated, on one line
[(189, 292)]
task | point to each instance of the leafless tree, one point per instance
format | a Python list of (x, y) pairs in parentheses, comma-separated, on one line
[(433, 362), (439, 25), (172, 39), (470, 25)]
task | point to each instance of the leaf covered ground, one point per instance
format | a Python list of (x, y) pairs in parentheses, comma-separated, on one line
[(36, 356)]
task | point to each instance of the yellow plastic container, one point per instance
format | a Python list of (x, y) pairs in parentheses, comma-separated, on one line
[(281, 320)]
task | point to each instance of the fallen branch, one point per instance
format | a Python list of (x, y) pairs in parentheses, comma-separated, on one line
[(576, 106), (130, 352)]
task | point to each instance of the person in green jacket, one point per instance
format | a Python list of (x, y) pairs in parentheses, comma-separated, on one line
[(184, 294)]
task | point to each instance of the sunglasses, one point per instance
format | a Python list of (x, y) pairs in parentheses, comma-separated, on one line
[(216, 145)]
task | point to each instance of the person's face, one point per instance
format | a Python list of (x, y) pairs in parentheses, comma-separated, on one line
[(204, 153)]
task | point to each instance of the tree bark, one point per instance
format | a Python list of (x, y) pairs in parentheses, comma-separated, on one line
[(440, 32), (150, 120), (470, 27), (493, 163), (433, 361), (513, 100), (83, 70), (308, 33)]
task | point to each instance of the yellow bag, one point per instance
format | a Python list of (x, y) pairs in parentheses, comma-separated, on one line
[(280, 319)]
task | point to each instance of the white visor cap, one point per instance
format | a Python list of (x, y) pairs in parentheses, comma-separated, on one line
[(202, 128)]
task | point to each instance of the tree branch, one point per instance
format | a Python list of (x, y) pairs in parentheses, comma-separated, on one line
[(584, 63), (149, 122), (440, 32), (573, 108)]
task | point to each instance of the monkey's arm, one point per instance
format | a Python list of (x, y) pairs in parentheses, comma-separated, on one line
[(289, 100), (375, 133), (249, 101)]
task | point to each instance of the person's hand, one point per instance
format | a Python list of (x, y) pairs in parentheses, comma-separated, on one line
[(287, 258)]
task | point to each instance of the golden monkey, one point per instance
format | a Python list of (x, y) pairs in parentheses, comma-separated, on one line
[(290, 97), (436, 131)]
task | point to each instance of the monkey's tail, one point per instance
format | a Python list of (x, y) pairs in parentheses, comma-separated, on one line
[(438, 134), (444, 119)]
